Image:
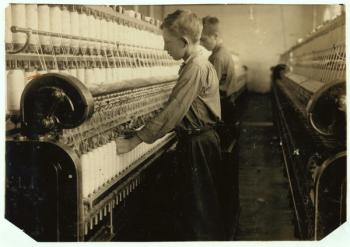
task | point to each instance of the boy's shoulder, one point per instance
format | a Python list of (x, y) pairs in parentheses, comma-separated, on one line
[(200, 61), (221, 53)]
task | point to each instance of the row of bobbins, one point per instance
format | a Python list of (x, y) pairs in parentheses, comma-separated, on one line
[(101, 164), (73, 20)]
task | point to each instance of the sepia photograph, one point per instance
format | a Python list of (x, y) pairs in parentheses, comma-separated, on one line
[(174, 122)]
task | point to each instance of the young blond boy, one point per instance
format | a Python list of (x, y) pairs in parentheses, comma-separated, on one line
[(192, 110)]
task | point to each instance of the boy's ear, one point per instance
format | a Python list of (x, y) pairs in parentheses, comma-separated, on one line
[(185, 40)]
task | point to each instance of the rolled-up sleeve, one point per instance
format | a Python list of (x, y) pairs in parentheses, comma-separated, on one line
[(183, 94)]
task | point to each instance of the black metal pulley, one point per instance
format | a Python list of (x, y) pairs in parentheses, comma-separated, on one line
[(327, 110), (54, 101)]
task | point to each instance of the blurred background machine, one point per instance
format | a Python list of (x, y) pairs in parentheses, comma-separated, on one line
[(309, 89), (78, 77)]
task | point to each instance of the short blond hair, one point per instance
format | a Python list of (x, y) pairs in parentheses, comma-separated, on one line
[(184, 23), (210, 25)]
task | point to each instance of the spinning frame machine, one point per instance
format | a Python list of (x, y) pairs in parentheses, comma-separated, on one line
[(78, 78), (309, 94)]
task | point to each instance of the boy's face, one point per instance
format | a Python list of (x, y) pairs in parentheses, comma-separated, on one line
[(208, 41), (174, 45)]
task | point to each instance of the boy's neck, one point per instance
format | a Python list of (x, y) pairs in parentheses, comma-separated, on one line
[(192, 49), (218, 44)]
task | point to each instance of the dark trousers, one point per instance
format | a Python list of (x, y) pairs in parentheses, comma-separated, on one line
[(199, 186), (228, 114)]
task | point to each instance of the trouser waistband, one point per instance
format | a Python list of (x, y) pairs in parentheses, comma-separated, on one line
[(192, 131)]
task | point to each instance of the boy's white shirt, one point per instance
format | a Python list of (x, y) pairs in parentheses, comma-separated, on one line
[(204, 51)]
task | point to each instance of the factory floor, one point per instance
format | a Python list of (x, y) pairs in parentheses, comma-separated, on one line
[(266, 212)]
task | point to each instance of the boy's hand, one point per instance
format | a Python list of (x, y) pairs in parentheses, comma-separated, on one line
[(126, 145)]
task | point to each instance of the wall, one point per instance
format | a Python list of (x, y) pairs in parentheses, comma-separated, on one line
[(158, 12), (258, 33)]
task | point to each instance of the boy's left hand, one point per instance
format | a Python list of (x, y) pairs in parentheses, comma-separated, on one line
[(126, 145)]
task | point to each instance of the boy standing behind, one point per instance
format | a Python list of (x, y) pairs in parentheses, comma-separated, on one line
[(221, 58), (192, 110)]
